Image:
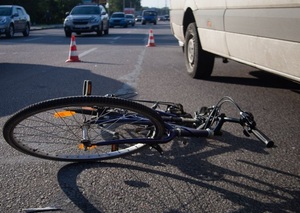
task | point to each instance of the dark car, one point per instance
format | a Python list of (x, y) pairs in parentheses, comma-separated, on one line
[(118, 19), (161, 18), (86, 19), (138, 19), (149, 16), (130, 19), (13, 19)]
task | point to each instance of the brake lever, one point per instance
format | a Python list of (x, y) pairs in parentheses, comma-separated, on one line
[(247, 121)]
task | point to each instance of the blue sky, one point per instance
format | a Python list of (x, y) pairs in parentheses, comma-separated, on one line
[(155, 3)]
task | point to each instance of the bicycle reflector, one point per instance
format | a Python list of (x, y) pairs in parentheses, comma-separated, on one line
[(83, 147), (64, 114), (87, 88)]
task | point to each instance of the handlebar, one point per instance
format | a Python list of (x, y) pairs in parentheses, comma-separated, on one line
[(262, 137), (247, 120)]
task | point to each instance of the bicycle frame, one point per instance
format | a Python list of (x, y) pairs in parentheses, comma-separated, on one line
[(80, 128), (174, 128)]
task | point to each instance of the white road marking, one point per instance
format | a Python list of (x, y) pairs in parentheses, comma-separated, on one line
[(87, 52), (130, 80), (33, 39)]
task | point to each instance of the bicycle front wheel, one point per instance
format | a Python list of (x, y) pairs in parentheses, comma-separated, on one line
[(82, 128)]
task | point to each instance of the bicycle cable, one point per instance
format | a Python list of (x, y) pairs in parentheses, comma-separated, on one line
[(214, 114)]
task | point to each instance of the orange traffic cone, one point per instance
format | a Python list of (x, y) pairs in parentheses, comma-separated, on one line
[(151, 42), (73, 57)]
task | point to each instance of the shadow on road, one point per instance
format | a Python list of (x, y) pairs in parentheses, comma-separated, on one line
[(263, 79), (25, 84), (148, 182)]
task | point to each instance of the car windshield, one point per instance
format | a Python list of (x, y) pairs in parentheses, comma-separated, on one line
[(150, 13), (5, 11), (129, 16), (85, 10), (118, 15)]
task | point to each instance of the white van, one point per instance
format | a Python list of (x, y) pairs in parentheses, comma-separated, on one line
[(261, 33)]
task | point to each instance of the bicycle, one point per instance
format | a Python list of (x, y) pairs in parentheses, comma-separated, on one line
[(92, 128)]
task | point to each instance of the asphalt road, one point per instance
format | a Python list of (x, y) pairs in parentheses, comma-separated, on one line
[(231, 173)]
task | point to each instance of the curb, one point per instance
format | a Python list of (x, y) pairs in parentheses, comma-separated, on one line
[(44, 27)]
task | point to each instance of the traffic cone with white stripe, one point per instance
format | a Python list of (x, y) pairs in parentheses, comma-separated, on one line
[(73, 57), (151, 42)]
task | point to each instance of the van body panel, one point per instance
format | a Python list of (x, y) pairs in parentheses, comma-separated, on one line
[(261, 33)]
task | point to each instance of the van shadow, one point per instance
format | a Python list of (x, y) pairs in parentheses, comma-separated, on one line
[(262, 79)]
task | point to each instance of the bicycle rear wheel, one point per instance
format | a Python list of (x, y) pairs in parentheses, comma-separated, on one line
[(67, 129)]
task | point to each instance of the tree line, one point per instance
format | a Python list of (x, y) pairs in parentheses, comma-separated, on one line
[(53, 11), (45, 11)]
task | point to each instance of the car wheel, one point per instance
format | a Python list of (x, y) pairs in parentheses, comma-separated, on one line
[(106, 31), (11, 31), (68, 33), (99, 31), (199, 63), (26, 31)]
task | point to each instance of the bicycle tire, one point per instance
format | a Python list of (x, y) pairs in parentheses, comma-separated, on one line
[(42, 131)]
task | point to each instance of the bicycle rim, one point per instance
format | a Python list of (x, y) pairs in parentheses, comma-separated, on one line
[(65, 129)]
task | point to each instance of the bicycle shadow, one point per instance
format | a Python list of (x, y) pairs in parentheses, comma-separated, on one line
[(147, 176)]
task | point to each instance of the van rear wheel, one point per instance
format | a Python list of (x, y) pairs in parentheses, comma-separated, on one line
[(199, 63)]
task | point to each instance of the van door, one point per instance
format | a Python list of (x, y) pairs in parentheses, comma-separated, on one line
[(265, 34)]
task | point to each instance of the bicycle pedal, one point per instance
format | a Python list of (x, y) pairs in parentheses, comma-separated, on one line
[(87, 88)]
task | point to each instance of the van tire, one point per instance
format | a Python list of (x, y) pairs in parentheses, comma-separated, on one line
[(199, 63)]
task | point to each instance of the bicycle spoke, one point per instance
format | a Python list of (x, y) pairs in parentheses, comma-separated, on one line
[(69, 131)]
